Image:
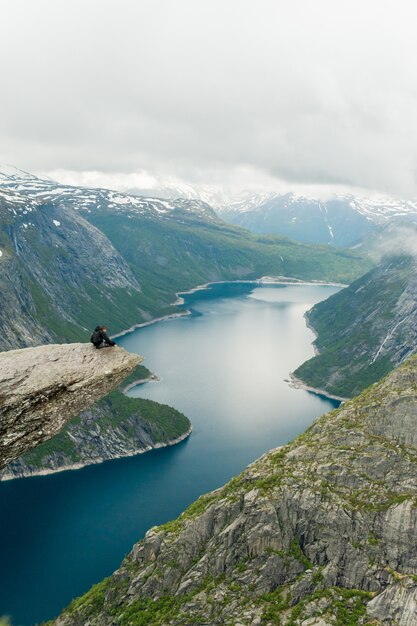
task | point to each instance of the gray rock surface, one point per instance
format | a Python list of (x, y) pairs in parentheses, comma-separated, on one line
[(101, 433), (396, 605), (322, 531), (42, 388), (55, 270)]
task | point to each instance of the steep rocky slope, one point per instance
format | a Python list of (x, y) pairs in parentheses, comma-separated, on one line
[(72, 257), (59, 275), (322, 531), (365, 330), (42, 388), (116, 426)]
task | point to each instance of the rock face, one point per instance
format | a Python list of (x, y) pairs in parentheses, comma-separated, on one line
[(59, 276), (322, 531), (365, 330), (42, 388), (114, 427)]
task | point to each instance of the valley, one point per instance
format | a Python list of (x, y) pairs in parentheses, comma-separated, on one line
[(72, 256), (224, 368), (208, 313)]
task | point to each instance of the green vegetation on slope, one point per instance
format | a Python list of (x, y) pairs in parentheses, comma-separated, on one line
[(162, 422), (140, 373), (305, 531), (376, 311), (172, 256), (58, 283), (128, 420)]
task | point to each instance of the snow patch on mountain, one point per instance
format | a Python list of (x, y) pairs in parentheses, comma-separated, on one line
[(23, 192), (343, 219), (373, 207)]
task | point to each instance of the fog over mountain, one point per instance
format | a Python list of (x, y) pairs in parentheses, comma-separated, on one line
[(234, 94)]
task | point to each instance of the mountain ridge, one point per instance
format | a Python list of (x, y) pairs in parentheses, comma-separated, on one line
[(343, 220), (316, 532)]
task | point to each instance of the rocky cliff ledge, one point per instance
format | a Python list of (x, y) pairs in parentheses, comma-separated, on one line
[(322, 531), (42, 388)]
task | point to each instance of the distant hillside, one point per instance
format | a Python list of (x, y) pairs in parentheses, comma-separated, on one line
[(342, 221), (365, 330), (72, 257)]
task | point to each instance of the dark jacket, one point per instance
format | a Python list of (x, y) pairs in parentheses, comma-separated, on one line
[(99, 337)]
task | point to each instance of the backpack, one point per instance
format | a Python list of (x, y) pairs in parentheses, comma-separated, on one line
[(96, 337)]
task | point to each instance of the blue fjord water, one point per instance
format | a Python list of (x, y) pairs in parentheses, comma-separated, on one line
[(224, 366)]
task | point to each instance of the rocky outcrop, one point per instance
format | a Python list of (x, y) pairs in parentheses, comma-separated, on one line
[(322, 531), (42, 388), (114, 427), (365, 330)]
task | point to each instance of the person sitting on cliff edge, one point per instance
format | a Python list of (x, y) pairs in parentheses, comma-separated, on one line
[(100, 338)]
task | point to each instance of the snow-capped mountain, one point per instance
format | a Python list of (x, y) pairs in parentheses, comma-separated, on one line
[(24, 191), (217, 197), (327, 215), (342, 220)]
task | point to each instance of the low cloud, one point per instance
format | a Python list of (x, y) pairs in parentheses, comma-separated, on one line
[(312, 93), (395, 240)]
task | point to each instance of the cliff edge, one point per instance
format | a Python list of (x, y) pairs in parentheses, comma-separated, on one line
[(320, 532), (43, 388)]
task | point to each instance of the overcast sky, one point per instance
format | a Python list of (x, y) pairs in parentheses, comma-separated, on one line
[(308, 92)]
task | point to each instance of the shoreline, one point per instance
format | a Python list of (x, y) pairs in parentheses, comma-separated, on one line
[(315, 333), (297, 383), (264, 280), (99, 460), (154, 320), (294, 382), (140, 381)]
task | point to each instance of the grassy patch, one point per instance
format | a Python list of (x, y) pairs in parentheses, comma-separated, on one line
[(299, 554)]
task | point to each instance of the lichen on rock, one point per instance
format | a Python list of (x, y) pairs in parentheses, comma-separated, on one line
[(322, 531)]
